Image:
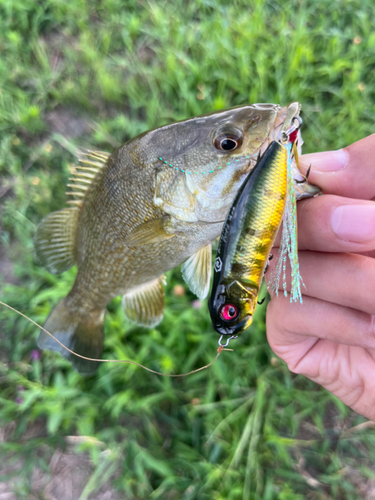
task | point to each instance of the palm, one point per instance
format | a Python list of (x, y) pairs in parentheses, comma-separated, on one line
[(348, 372), (331, 337)]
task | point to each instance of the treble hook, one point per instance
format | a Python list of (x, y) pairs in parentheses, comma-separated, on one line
[(305, 178), (230, 338)]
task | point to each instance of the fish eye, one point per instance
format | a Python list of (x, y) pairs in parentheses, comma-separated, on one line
[(228, 144), (228, 312), (228, 140)]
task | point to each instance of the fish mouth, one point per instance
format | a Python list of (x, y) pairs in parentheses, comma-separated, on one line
[(283, 121)]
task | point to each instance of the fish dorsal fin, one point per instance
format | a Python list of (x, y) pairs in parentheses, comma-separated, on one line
[(196, 271), (145, 304), (55, 236), (55, 240), (83, 175)]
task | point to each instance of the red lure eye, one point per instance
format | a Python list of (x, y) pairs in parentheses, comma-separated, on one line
[(228, 312)]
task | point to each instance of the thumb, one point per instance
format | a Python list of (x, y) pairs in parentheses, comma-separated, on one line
[(348, 172)]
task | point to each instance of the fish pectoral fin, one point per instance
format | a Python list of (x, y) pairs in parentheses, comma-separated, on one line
[(55, 240), (145, 305), (152, 231), (196, 271)]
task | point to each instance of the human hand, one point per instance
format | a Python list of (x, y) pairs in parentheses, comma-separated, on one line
[(330, 338)]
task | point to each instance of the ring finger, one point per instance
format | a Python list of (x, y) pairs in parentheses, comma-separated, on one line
[(337, 278)]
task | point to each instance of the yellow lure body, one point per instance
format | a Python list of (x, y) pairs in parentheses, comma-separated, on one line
[(246, 241)]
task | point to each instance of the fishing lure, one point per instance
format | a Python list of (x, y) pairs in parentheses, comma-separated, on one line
[(266, 198)]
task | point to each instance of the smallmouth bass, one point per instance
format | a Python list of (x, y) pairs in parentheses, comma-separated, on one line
[(246, 242), (154, 203)]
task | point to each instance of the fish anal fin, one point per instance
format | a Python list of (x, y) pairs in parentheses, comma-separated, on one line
[(152, 231), (54, 240), (145, 304), (83, 335), (196, 271)]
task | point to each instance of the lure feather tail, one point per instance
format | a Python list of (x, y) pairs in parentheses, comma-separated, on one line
[(288, 246)]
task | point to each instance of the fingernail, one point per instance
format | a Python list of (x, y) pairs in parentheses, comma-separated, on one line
[(354, 222), (328, 161)]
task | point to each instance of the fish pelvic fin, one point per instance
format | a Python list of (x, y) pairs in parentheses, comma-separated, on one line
[(196, 271), (145, 304), (81, 334), (54, 240)]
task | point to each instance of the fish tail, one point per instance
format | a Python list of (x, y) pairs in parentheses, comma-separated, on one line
[(81, 333)]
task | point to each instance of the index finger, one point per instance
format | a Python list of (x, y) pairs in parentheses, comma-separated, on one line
[(348, 172)]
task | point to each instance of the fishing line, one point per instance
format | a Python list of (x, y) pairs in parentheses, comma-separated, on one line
[(128, 361)]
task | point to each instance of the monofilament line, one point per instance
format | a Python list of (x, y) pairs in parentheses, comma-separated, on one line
[(127, 361)]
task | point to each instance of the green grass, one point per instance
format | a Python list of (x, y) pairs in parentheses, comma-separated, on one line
[(96, 73)]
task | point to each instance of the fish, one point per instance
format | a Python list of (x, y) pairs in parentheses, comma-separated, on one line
[(246, 241), (158, 201)]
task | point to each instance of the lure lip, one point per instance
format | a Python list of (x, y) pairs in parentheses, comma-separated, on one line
[(225, 328), (228, 329)]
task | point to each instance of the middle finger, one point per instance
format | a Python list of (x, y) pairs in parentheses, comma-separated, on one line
[(331, 223), (340, 278)]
